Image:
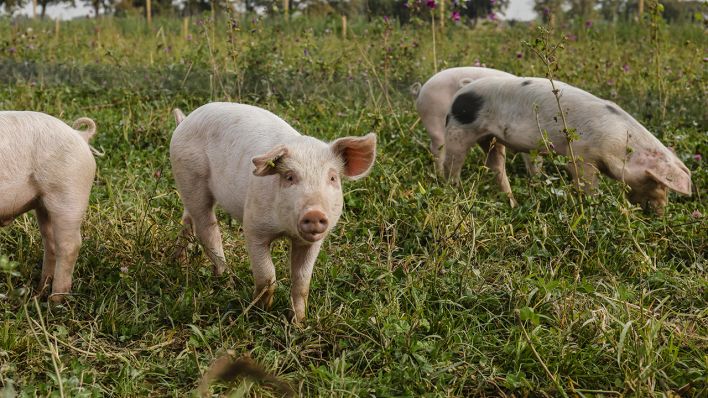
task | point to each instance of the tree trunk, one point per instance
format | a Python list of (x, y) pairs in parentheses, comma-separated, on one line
[(43, 8), (96, 7)]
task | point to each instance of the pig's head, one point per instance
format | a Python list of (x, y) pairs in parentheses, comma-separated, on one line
[(308, 198), (651, 174)]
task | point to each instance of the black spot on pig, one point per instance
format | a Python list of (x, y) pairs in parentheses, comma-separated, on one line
[(466, 107), (525, 83)]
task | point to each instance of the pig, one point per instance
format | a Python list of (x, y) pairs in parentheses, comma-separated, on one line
[(48, 167), (514, 111), (433, 99), (275, 181)]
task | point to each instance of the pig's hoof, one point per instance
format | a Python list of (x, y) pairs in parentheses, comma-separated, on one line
[(219, 270), (294, 318), (57, 298)]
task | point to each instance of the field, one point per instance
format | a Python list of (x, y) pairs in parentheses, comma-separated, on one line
[(424, 289)]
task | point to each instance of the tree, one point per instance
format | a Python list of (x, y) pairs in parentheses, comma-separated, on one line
[(96, 5), (44, 3), (12, 5)]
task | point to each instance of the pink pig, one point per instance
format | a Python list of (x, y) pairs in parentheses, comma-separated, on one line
[(47, 166), (277, 182), (433, 100)]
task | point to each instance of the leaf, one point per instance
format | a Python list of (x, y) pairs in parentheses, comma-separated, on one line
[(623, 336), (528, 314)]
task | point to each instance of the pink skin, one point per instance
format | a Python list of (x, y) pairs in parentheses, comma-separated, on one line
[(433, 101), (278, 183), (608, 140), (47, 167)]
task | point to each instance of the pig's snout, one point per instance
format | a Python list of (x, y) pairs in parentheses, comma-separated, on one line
[(312, 225)]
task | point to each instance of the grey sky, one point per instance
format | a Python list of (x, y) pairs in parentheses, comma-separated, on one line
[(518, 9)]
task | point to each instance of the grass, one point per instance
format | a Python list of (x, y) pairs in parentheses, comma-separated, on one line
[(423, 289)]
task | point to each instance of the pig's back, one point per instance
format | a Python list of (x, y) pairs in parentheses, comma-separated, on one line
[(439, 90), (218, 141), (29, 141)]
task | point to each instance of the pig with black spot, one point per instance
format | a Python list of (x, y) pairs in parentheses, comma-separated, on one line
[(515, 111)]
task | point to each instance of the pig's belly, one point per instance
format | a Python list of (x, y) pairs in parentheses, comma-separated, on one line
[(229, 197), (16, 197)]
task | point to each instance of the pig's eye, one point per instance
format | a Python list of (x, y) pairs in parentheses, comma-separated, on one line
[(290, 178), (332, 178)]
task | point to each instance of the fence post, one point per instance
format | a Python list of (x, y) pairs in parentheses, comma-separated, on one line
[(185, 27), (148, 11), (442, 14), (344, 26)]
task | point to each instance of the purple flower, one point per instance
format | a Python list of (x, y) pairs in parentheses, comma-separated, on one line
[(588, 24), (492, 16), (519, 55), (386, 18), (571, 37), (455, 16), (696, 214), (431, 4), (546, 11), (697, 157), (306, 52), (476, 63), (11, 50), (492, 2), (625, 68)]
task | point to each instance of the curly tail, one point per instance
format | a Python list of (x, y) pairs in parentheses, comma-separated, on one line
[(90, 126), (415, 89), (179, 115)]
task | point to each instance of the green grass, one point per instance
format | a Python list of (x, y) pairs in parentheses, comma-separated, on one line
[(423, 288)]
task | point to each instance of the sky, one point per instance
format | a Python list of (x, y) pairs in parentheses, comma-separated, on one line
[(518, 9)]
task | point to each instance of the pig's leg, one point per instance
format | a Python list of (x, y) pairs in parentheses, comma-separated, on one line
[(436, 131), (49, 260), (66, 211), (263, 270), (457, 144), (533, 166), (496, 161), (585, 179), (180, 253), (302, 260), (201, 212)]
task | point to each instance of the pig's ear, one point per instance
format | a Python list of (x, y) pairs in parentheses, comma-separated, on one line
[(267, 164), (358, 154), (672, 176)]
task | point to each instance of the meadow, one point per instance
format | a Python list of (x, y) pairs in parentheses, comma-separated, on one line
[(424, 289)]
